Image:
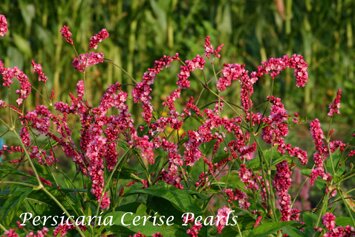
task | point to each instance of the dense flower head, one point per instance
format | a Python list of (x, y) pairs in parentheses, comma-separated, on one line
[(83, 61), (318, 135), (138, 234), (335, 105), (300, 67), (194, 230), (96, 39), (3, 25), (96, 172), (329, 221), (223, 214), (66, 34), (38, 69), (282, 183), (11, 233)]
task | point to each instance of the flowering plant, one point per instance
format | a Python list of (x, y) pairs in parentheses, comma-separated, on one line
[(193, 165)]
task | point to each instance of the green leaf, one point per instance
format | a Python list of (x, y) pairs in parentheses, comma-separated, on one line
[(269, 228), (309, 218), (22, 44), (13, 203), (28, 11), (293, 231), (15, 57), (343, 221), (232, 180), (182, 200)]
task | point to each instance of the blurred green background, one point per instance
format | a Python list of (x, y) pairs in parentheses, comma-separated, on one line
[(144, 30)]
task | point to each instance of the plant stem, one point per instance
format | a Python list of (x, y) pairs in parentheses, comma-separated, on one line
[(18, 183), (324, 206), (40, 185), (63, 209), (3, 228), (109, 180)]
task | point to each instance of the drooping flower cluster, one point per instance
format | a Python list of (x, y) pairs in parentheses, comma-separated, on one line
[(8, 74), (38, 69), (335, 105), (66, 34), (83, 61), (98, 38), (3, 25), (274, 66)]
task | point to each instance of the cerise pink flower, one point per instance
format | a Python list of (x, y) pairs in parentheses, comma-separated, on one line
[(83, 61), (66, 34), (335, 105), (3, 25), (223, 214), (38, 69), (209, 50), (96, 39)]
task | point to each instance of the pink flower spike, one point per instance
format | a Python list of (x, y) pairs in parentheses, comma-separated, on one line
[(335, 105), (66, 34), (83, 61), (3, 25), (38, 69), (99, 37)]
